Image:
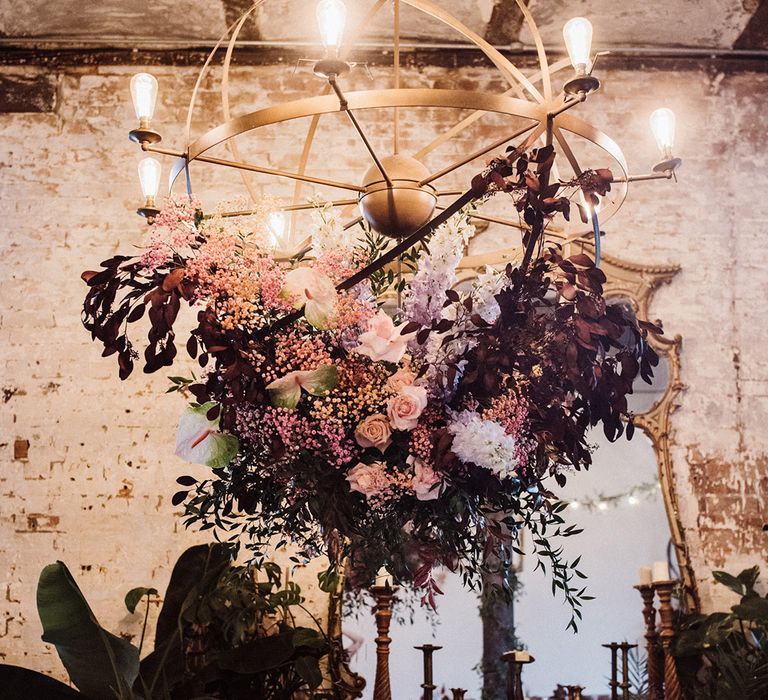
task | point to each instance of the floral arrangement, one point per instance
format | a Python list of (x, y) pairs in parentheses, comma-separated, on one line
[(406, 437)]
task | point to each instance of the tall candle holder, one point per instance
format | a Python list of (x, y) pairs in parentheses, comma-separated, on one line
[(383, 595), (655, 676), (428, 685), (672, 689), (458, 693), (615, 686), (574, 691), (515, 662)]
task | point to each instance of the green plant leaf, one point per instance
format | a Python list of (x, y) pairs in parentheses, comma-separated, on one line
[(191, 568), (262, 654), (23, 684), (749, 578), (100, 664), (735, 584), (754, 609), (308, 668), (308, 637), (134, 596)]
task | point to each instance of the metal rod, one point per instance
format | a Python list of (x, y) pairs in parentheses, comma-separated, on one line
[(492, 219), (345, 107), (289, 207), (572, 102), (476, 154), (666, 175), (396, 59), (239, 165)]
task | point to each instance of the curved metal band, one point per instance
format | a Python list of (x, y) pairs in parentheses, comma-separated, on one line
[(367, 99)]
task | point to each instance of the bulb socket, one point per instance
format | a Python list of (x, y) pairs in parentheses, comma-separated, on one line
[(328, 67), (149, 211), (144, 134), (581, 84)]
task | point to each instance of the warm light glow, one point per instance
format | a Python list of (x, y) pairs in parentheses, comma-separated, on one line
[(602, 505), (632, 500), (575, 505), (577, 33), (276, 224), (149, 176), (144, 95), (663, 128), (331, 16), (590, 205)]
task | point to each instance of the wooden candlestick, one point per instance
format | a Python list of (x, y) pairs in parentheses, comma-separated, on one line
[(382, 689), (624, 647), (574, 691), (515, 661), (428, 686), (458, 693), (672, 690), (655, 677)]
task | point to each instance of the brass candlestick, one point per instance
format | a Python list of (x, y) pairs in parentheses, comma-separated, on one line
[(458, 693), (672, 690), (515, 662), (574, 691), (382, 689), (655, 677), (428, 650)]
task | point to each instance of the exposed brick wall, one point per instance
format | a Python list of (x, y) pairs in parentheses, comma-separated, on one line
[(86, 463)]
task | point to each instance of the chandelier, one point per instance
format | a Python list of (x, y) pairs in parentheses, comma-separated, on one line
[(397, 194)]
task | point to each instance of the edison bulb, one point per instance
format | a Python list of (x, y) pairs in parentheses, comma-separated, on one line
[(592, 205), (149, 176), (577, 33), (663, 128), (331, 17), (144, 95)]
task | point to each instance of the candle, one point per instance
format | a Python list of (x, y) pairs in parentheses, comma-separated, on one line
[(645, 576), (383, 578), (660, 571)]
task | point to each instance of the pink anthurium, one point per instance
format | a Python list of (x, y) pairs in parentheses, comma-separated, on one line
[(286, 391), (198, 439), (311, 289)]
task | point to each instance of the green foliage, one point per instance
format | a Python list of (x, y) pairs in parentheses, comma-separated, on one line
[(100, 664), (724, 656), (224, 631)]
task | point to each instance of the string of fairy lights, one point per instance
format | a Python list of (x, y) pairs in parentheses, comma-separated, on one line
[(631, 497)]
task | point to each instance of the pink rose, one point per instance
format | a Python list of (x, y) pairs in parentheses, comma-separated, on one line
[(374, 431), (403, 377), (405, 408), (424, 479), (368, 479), (382, 341)]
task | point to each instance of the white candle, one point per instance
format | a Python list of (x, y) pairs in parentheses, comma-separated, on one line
[(383, 578), (660, 571), (645, 576)]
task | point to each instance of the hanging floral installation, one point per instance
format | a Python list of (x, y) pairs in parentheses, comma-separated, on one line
[(422, 437)]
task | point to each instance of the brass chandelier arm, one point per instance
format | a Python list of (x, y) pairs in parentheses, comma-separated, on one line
[(288, 207), (345, 108), (481, 152), (257, 169), (567, 150)]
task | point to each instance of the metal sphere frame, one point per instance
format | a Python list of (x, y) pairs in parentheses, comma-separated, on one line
[(530, 98)]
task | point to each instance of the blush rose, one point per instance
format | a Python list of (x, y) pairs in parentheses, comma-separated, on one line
[(405, 408), (374, 431)]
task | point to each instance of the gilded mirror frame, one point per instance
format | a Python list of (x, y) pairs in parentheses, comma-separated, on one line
[(636, 282)]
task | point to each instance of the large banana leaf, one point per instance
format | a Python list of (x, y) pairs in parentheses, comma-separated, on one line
[(100, 664)]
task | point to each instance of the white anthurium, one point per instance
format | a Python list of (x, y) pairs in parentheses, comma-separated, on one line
[(199, 440), (286, 391), (313, 290)]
